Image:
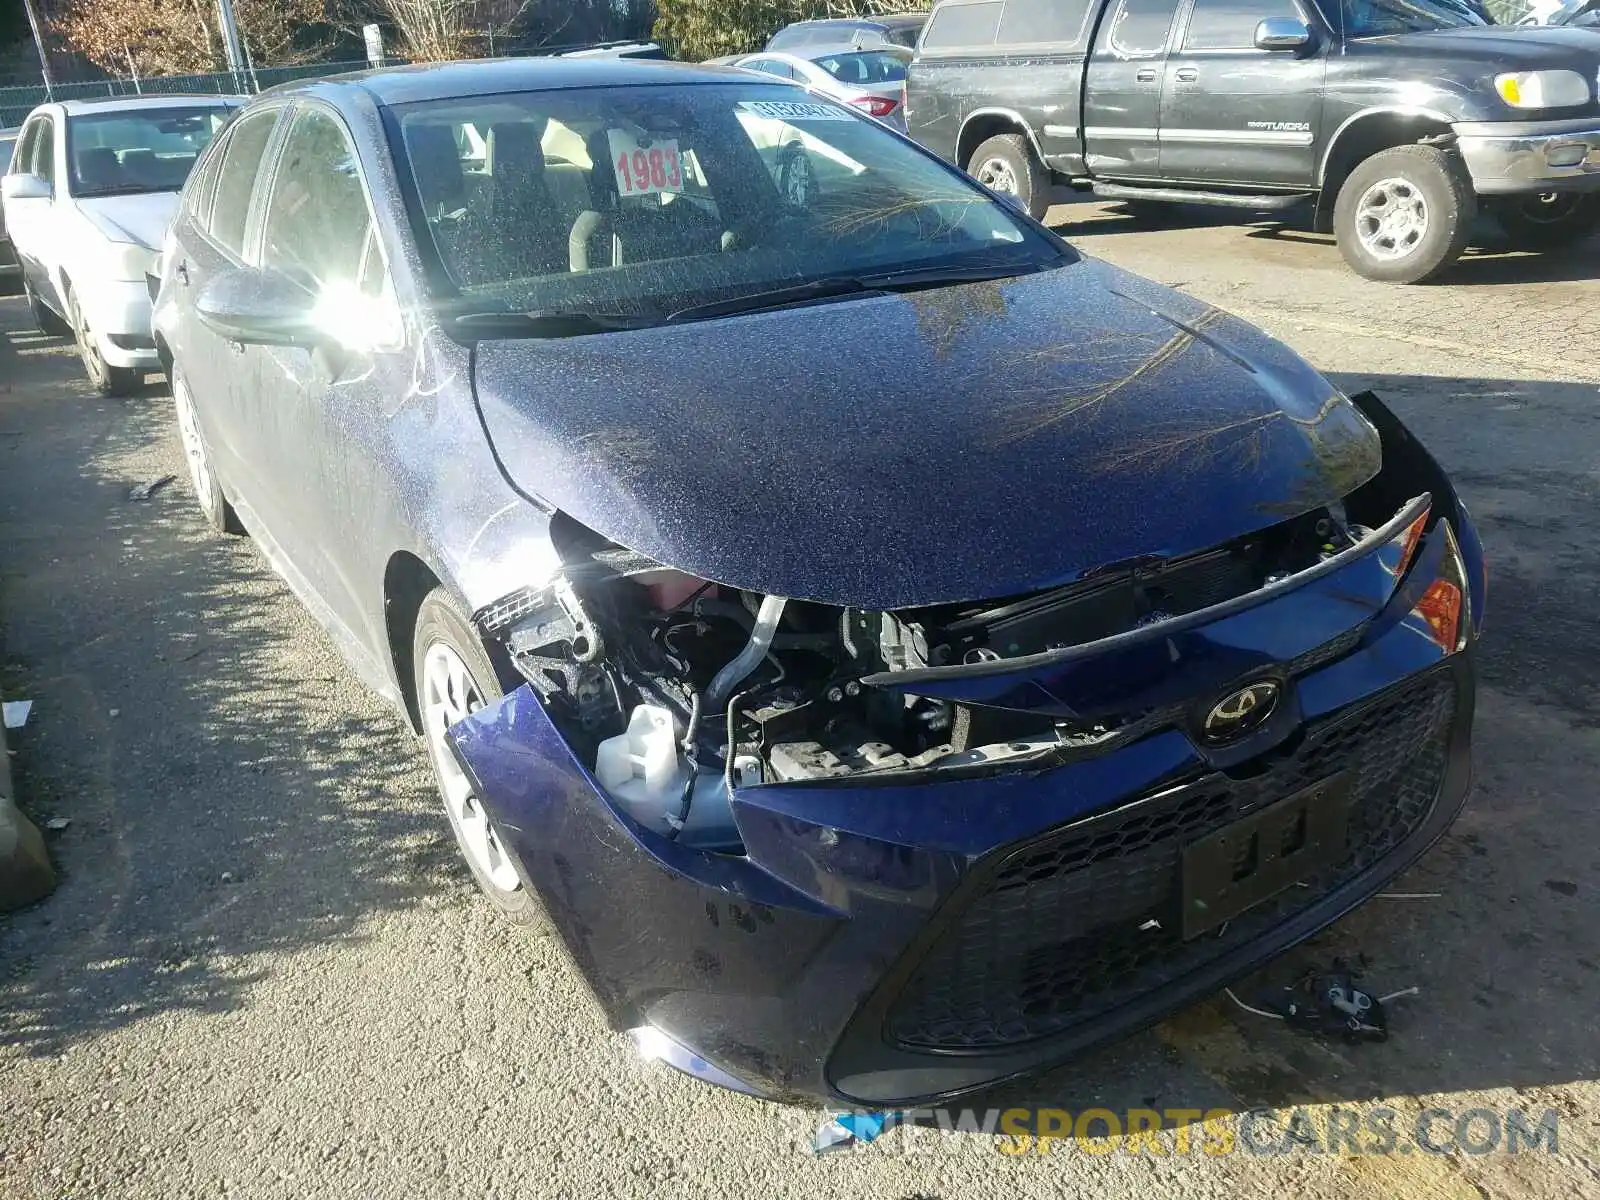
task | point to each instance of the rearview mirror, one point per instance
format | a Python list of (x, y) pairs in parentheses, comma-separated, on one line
[(1282, 33), (25, 186), (259, 308)]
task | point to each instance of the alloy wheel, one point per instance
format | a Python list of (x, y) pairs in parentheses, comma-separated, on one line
[(997, 175), (450, 694), (1391, 218), (194, 448), (94, 362)]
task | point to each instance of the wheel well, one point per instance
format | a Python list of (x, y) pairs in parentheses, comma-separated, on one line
[(406, 583), (980, 129), (1360, 140)]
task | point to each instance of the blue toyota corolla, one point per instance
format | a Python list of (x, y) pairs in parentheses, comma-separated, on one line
[(893, 651)]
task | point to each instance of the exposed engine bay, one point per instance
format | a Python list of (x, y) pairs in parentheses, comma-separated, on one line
[(675, 690)]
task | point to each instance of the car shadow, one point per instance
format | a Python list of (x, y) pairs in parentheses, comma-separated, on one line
[(222, 807)]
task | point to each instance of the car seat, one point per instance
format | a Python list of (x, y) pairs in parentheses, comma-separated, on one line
[(98, 168), (524, 220)]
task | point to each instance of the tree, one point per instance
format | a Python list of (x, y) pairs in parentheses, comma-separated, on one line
[(184, 37), (436, 30), (701, 29)]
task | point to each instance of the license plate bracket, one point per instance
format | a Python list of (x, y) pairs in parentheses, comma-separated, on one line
[(1259, 855)]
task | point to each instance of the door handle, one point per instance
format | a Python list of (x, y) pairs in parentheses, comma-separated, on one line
[(1187, 74), (1146, 75), (182, 272)]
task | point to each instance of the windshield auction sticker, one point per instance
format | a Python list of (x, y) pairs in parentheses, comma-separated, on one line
[(645, 166), (794, 110)]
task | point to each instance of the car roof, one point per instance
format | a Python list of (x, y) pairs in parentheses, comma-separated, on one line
[(888, 21), (162, 100), (823, 49), (487, 77)]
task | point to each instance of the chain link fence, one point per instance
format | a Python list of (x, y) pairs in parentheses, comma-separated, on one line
[(17, 102)]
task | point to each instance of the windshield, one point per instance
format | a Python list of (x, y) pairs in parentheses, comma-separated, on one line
[(1380, 18), (138, 150), (864, 66), (649, 200)]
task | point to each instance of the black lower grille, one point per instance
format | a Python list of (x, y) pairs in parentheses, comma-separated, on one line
[(1075, 924)]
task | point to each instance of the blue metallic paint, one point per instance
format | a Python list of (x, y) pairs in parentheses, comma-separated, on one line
[(1021, 434)]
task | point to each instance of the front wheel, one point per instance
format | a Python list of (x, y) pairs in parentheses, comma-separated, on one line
[(1008, 165), (454, 677), (1404, 214), (1548, 221), (103, 377)]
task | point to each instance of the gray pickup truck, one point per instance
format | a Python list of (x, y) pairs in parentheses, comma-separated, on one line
[(1393, 120)]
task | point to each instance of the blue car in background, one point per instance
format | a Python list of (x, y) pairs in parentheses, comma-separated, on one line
[(892, 650)]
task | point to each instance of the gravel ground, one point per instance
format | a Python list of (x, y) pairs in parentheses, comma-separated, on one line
[(265, 973)]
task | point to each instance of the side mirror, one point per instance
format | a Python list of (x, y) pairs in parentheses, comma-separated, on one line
[(259, 308), (25, 186), (1282, 33)]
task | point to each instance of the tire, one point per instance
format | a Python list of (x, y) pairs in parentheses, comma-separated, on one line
[(103, 377), (1008, 165), (1548, 221), (45, 318), (442, 698), (208, 492), (1433, 206)]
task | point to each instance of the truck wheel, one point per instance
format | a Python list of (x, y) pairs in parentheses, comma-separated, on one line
[(1548, 221), (1404, 214), (1008, 165)]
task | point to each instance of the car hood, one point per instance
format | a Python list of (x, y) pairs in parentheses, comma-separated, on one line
[(141, 219), (1507, 47), (962, 443)]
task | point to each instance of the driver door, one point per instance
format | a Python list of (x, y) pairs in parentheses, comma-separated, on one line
[(320, 417), (1233, 113)]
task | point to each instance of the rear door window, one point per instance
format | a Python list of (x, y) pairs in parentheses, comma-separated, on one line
[(771, 66), (200, 189), (22, 156), (1141, 27), (963, 26), (865, 67), (236, 178)]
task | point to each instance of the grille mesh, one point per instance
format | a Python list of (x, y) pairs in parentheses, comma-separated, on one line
[(1084, 919)]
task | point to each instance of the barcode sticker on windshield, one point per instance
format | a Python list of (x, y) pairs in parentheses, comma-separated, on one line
[(644, 166), (795, 110)]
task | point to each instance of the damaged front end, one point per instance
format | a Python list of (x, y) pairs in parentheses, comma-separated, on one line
[(793, 839)]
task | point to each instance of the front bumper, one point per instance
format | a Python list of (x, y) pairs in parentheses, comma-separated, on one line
[(118, 312), (894, 944), (1510, 157)]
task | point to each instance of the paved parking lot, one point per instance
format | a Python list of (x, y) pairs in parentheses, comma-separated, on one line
[(265, 973)]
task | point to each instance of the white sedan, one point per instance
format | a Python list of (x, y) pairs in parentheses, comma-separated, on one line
[(88, 197), (871, 79)]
